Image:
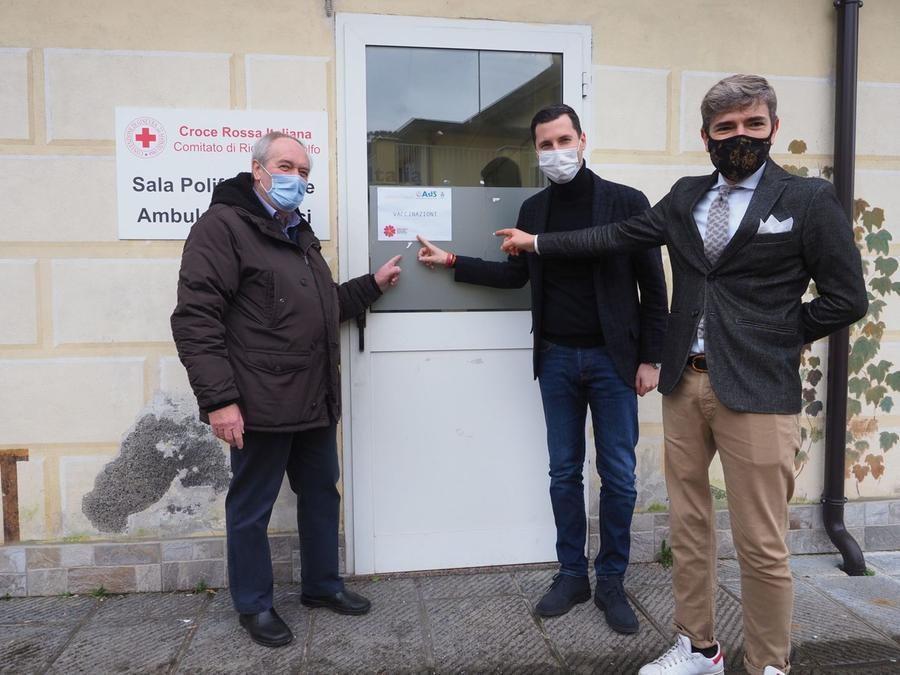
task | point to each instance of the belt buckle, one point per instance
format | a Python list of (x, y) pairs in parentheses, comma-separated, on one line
[(698, 363)]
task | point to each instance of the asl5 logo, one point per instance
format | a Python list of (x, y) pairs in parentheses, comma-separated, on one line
[(428, 194)]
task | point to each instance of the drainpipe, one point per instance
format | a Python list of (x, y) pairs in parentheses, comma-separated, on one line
[(833, 498)]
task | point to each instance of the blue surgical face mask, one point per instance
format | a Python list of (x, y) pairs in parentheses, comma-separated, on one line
[(287, 191)]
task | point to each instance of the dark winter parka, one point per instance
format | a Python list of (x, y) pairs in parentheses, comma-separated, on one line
[(257, 320)]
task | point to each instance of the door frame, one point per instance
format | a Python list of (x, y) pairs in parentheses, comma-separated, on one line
[(354, 32)]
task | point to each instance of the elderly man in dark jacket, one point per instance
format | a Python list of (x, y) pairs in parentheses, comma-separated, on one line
[(257, 327)]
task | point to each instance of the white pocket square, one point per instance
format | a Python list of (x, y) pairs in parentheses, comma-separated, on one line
[(774, 226)]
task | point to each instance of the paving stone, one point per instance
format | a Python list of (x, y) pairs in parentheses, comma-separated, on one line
[(384, 589), (886, 562), (221, 645), (186, 549), (642, 522), (724, 544), (534, 583), (468, 585), (45, 610), (817, 541), (47, 582), (113, 579), (126, 554), (883, 538), (183, 576), (497, 634), (295, 567), (817, 565), (280, 548), (876, 599), (285, 596), (76, 555), (855, 514), (389, 639), (133, 645), (588, 645), (282, 571), (825, 633), (723, 520), (878, 513), (643, 547), (803, 517), (148, 578), (894, 510), (12, 560), (152, 606), (13, 585), (659, 605), (28, 648), (648, 575), (728, 569), (41, 558)]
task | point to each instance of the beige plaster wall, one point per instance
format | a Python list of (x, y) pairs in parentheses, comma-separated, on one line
[(84, 343)]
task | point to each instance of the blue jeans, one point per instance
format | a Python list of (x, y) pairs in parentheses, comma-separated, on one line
[(571, 379)]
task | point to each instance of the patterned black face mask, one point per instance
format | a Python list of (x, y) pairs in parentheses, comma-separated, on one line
[(737, 157)]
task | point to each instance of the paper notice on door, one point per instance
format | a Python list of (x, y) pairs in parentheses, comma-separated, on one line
[(405, 212)]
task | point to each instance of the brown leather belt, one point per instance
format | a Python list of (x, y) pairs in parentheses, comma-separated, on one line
[(698, 363)]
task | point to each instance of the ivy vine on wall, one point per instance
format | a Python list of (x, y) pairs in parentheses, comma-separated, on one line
[(873, 381)]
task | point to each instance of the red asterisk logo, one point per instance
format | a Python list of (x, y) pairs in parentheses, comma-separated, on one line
[(389, 230)]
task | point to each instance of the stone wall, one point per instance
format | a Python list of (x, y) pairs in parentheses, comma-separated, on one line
[(85, 351)]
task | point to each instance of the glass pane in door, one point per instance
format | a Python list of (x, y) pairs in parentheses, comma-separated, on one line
[(457, 121)]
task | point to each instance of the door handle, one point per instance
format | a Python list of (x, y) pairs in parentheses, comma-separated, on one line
[(361, 328)]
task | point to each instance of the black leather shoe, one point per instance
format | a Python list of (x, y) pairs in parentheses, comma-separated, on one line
[(610, 597), (267, 628), (342, 602), (564, 593)]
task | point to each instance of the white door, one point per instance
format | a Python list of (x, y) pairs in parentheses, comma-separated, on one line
[(445, 460)]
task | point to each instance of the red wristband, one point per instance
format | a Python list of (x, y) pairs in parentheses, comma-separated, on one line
[(451, 260)]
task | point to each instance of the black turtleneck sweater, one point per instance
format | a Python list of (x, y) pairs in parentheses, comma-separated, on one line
[(570, 302)]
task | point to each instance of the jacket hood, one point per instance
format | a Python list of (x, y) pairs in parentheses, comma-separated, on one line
[(238, 192)]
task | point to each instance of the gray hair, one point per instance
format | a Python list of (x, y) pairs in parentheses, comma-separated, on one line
[(262, 146), (737, 92)]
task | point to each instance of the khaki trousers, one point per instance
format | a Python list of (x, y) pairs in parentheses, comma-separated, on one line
[(757, 453)]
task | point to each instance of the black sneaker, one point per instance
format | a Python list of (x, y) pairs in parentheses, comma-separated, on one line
[(564, 593), (610, 597)]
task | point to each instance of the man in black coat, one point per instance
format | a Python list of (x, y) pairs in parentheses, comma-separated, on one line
[(744, 243), (596, 342), (257, 328)]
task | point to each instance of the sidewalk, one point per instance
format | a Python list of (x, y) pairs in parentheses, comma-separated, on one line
[(447, 623)]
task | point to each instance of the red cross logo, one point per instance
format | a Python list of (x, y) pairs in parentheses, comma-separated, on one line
[(145, 137)]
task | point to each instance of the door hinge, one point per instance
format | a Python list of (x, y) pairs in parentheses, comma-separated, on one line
[(585, 85)]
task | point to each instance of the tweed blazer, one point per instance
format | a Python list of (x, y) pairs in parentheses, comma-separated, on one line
[(630, 289), (752, 296)]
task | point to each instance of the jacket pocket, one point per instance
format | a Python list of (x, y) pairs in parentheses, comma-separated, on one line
[(765, 326), (277, 362), (774, 238)]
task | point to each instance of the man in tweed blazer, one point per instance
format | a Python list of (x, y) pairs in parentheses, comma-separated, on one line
[(744, 243)]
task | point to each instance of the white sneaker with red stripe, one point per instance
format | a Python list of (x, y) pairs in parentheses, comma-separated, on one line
[(772, 670), (680, 660)]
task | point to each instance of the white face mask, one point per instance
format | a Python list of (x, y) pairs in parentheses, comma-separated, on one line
[(560, 166)]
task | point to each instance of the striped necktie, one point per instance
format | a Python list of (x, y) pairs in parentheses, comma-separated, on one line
[(716, 238)]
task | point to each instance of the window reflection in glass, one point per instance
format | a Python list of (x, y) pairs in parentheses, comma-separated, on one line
[(456, 117)]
